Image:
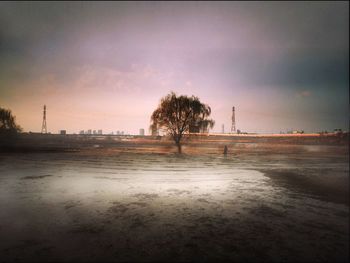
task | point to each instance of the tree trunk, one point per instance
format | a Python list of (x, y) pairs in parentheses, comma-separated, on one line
[(178, 147), (177, 139)]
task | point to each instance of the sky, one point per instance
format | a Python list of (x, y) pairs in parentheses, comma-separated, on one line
[(106, 65)]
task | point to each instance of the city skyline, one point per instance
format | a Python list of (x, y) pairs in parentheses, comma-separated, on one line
[(106, 65)]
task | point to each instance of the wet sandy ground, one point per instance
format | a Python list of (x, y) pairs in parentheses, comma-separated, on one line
[(259, 203)]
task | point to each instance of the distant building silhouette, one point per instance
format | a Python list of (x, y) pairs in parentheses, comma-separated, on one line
[(233, 127)]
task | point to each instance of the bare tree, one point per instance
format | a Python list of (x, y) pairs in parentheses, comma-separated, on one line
[(175, 115)]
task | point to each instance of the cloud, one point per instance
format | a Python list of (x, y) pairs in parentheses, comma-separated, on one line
[(111, 56), (188, 84), (304, 93), (138, 80), (90, 83)]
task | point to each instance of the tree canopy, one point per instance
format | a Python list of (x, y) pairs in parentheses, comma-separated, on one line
[(177, 114), (8, 122)]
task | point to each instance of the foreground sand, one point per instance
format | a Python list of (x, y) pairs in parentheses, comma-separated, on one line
[(262, 202)]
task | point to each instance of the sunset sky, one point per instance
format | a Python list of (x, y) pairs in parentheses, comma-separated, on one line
[(105, 65)]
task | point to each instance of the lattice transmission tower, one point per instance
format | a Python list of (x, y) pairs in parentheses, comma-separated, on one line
[(43, 127)]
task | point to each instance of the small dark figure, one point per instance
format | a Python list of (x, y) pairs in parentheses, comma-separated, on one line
[(225, 150)]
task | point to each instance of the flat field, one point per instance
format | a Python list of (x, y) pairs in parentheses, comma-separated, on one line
[(138, 200)]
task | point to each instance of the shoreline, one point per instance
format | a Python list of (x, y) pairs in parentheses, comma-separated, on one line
[(36, 142)]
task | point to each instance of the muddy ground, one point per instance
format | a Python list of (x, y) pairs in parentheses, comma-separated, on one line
[(262, 202)]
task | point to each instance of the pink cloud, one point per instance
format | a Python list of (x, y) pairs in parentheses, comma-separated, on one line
[(304, 94)]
